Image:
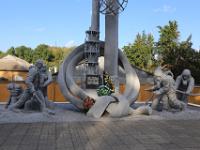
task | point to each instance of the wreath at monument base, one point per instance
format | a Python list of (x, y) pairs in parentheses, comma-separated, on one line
[(104, 90)]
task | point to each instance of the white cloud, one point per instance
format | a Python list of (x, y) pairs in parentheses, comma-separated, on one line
[(165, 9), (70, 43)]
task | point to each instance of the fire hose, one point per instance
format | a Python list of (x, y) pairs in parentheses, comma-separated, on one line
[(189, 94)]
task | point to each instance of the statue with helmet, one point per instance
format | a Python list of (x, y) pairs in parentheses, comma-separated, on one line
[(184, 85), (165, 93)]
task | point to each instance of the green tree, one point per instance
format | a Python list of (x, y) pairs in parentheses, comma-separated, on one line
[(175, 54), (22, 52), (25, 53), (141, 52), (187, 57), (59, 53), (168, 42), (2, 54), (11, 51), (42, 52)]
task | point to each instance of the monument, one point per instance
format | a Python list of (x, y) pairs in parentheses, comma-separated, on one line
[(83, 92), (165, 92), (34, 97), (184, 85)]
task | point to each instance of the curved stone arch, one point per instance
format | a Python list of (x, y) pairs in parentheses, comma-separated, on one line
[(76, 95)]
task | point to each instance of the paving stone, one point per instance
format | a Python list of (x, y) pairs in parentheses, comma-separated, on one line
[(27, 147), (136, 147), (11, 147), (132, 135)]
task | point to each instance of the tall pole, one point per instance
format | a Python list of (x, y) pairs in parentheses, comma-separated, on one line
[(111, 46), (95, 15)]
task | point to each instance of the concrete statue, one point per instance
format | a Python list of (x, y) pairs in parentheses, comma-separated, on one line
[(165, 93), (34, 97), (115, 103), (15, 92), (184, 85)]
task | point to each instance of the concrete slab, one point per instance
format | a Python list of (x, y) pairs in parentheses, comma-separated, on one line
[(114, 135)]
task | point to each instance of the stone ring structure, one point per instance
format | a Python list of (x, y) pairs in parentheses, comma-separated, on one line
[(77, 95), (84, 96)]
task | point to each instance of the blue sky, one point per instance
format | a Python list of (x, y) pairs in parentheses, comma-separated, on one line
[(63, 22)]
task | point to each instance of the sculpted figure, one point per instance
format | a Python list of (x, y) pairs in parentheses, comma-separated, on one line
[(35, 95), (45, 80), (164, 91), (28, 96), (184, 83), (15, 92), (33, 82)]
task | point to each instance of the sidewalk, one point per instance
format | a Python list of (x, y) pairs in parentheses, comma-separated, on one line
[(102, 135)]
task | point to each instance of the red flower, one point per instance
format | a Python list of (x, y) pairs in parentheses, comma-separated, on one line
[(88, 103)]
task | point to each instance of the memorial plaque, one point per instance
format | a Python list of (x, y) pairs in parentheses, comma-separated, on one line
[(93, 81)]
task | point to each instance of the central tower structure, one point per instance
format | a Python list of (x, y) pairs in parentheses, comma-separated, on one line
[(111, 9), (92, 41), (88, 54)]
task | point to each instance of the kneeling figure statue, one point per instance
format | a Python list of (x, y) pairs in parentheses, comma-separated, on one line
[(165, 93)]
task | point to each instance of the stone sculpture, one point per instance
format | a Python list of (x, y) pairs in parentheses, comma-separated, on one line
[(165, 93), (45, 80), (77, 95), (115, 104), (34, 97), (15, 92), (184, 85)]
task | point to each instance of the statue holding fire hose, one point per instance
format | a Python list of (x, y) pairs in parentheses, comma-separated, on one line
[(165, 92)]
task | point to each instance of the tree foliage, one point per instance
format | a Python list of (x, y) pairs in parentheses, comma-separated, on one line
[(2, 54), (168, 51), (187, 57), (42, 52), (141, 52), (167, 44), (175, 54), (59, 54), (11, 51), (24, 52), (53, 56)]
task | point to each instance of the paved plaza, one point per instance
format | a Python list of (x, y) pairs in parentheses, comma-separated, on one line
[(102, 135)]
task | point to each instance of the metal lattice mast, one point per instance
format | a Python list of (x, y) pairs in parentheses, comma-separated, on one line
[(92, 41)]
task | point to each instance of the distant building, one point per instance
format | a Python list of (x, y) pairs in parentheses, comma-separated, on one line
[(13, 68)]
